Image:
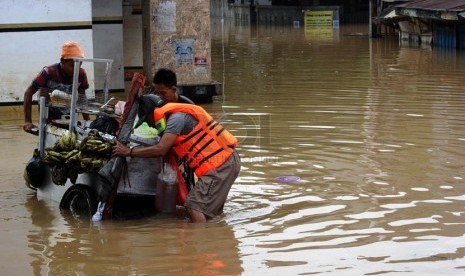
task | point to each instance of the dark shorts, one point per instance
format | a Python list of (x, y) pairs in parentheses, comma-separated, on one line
[(209, 194)]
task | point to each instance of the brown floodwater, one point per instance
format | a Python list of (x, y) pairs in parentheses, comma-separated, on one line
[(374, 131)]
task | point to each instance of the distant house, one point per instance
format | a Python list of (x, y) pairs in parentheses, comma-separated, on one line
[(440, 23)]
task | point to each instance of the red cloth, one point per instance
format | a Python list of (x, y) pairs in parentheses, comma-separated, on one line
[(137, 83), (182, 187), (51, 78)]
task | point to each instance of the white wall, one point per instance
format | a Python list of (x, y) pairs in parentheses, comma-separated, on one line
[(34, 11), (23, 52)]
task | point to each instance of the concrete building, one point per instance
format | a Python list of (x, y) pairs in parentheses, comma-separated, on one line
[(32, 32)]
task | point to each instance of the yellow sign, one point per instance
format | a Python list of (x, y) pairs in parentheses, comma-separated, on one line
[(318, 18), (321, 33)]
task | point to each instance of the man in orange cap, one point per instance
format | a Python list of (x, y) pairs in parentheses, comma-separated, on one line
[(58, 76)]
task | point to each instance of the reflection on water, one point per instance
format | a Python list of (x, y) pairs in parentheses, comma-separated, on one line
[(374, 130), (62, 244)]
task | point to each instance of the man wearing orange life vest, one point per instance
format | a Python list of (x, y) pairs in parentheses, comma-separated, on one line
[(207, 147)]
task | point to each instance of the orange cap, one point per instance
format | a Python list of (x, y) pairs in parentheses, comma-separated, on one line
[(70, 50)]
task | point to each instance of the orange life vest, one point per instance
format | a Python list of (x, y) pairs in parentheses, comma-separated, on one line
[(207, 146)]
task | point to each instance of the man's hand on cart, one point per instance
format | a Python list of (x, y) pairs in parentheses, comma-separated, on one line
[(30, 128), (119, 149)]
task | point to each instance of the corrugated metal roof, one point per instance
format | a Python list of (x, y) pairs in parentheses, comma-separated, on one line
[(436, 5)]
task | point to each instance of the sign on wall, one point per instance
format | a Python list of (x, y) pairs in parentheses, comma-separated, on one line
[(184, 51), (318, 18)]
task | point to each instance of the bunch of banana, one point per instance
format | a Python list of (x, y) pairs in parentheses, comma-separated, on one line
[(53, 157), (95, 152), (63, 159), (67, 159), (63, 165), (95, 144), (59, 175), (73, 157), (66, 142), (91, 163)]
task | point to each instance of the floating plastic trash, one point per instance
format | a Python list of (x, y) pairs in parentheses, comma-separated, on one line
[(287, 179)]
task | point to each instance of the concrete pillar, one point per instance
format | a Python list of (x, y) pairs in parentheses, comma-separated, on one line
[(176, 35)]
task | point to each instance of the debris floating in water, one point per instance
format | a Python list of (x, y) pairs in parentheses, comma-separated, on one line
[(287, 179)]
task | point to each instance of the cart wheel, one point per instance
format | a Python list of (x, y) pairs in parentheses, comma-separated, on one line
[(80, 200)]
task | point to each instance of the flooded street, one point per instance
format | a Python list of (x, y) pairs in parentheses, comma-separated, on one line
[(353, 155)]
